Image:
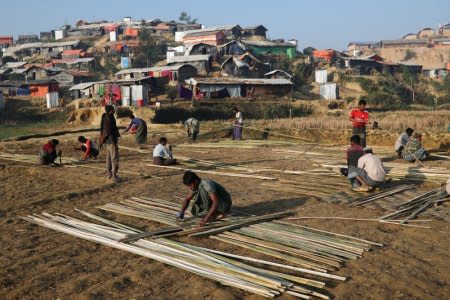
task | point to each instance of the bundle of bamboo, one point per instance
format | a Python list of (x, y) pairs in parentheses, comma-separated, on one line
[(303, 246), (212, 264), (415, 206)]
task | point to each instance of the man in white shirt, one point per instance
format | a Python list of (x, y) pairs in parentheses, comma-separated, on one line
[(237, 124), (162, 154), (402, 140), (370, 172)]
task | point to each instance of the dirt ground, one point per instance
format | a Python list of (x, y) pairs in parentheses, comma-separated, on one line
[(38, 263)]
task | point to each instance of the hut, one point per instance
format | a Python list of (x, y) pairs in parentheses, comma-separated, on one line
[(425, 33), (234, 47), (241, 87), (201, 62), (174, 73), (254, 31), (271, 48)]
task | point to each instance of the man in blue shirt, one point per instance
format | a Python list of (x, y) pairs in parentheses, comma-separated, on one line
[(139, 127)]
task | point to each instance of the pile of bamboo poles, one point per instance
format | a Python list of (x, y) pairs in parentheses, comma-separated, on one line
[(161, 211), (164, 212), (242, 144), (306, 247), (415, 206), (242, 175), (383, 194), (226, 268)]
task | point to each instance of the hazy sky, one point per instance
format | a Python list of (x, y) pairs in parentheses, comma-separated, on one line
[(322, 24)]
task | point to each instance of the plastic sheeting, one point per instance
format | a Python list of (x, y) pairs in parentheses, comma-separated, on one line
[(139, 93), (52, 99), (328, 91), (321, 76), (126, 95), (233, 90)]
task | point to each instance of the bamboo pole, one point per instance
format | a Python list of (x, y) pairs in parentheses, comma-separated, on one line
[(213, 172)]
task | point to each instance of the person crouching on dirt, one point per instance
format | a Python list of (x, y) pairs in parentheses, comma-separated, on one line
[(370, 172), (193, 128), (414, 149), (211, 200), (402, 140), (353, 153), (139, 128), (89, 148), (48, 153)]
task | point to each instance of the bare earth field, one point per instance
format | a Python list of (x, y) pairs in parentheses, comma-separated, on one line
[(38, 263)]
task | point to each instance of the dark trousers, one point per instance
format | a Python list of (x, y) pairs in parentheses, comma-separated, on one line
[(160, 161), (361, 131)]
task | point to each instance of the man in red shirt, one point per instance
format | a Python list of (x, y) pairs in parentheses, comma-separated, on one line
[(359, 118)]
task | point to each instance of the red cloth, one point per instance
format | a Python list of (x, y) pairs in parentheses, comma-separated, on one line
[(363, 115), (49, 148)]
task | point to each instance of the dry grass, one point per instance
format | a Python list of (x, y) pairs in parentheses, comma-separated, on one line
[(429, 121)]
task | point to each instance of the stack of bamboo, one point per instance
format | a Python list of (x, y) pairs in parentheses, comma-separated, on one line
[(220, 266), (382, 195), (300, 245), (248, 144), (417, 205), (160, 211)]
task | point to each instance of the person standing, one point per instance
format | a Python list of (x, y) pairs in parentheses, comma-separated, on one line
[(237, 124), (139, 128), (193, 128), (110, 137), (360, 118)]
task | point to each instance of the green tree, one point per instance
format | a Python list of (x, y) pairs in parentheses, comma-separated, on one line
[(184, 17), (149, 51), (409, 54)]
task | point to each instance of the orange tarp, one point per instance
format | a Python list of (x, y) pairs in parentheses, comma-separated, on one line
[(131, 32)]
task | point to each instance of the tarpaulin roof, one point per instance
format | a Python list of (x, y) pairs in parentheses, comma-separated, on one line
[(231, 80)]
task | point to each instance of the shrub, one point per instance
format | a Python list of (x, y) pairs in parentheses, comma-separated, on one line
[(224, 111)]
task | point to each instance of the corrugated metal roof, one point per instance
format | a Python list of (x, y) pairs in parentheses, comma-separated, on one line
[(151, 69), (13, 65), (266, 44), (278, 71), (211, 29), (82, 86), (362, 43), (70, 61), (188, 58), (231, 80), (400, 42), (41, 45)]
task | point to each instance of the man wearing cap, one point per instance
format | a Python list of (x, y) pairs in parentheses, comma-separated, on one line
[(370, 172)]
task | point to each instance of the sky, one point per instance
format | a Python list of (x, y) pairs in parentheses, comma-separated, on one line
[(321, 24)]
